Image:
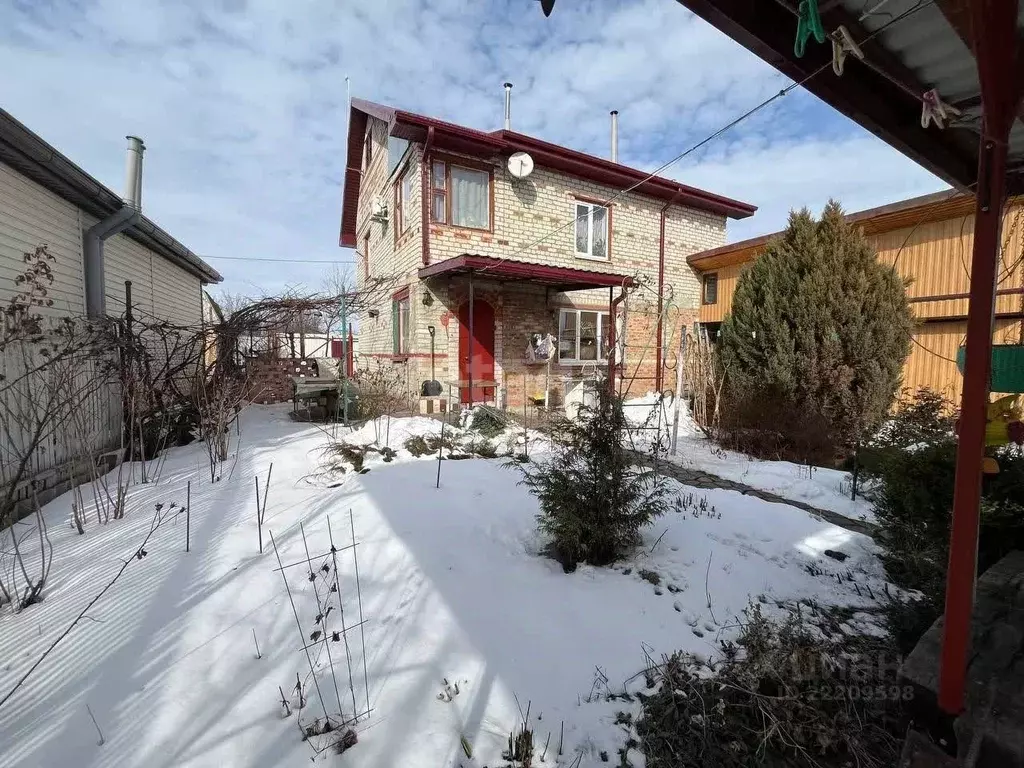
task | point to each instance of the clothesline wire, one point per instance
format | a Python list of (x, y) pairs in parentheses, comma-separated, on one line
[(706, 140)]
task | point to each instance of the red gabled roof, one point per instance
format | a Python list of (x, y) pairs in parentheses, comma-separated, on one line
[(457, 138)]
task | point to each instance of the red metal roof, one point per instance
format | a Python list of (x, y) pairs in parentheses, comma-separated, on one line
[(505, 270), (457, 138)]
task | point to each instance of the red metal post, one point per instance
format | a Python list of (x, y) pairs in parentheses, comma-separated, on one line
[(472, 342), (995, 25), (351, 356), (426, 195), (661, 302), (613, 302)]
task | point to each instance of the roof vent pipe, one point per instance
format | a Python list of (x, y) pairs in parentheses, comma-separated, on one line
[(133, 173), (508, 106), (615, 135), (120, 220)]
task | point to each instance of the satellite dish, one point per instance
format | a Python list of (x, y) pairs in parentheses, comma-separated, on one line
[(520, 165), (546, 6)]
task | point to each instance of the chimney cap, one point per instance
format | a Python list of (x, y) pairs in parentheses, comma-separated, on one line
[(614, 112), (508, 85)]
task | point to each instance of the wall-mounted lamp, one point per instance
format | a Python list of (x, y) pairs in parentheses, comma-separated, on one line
[(374, 313), (430, 330)]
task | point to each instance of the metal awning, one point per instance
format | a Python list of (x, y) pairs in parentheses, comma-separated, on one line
[(506, 270), (970, 55), (910, 47)]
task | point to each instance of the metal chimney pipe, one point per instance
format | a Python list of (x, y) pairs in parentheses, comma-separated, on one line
[(133, 173), (615, 135), (508, 106)]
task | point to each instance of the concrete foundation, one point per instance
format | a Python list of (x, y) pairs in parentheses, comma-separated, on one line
[(993, 721)]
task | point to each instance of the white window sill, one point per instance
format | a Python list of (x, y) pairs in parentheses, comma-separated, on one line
[(579, 363), (588, 257)]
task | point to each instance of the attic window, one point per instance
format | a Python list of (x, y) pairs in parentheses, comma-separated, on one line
[(368, 149)]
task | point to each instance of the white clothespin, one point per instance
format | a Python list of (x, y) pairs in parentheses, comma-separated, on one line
[(843, 44), (935, 110)]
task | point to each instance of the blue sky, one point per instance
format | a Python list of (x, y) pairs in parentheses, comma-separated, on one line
[(242, 104)]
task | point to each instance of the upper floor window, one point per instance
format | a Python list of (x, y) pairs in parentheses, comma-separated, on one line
[(710, 289), (591, 231), (368, 149), (460, 196), (404, 202), (582, 336)]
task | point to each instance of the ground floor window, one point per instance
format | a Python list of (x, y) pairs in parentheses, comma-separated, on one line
[(582, 336), (400, 322)]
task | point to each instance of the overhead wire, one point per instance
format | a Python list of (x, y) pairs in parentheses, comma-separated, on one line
[(895, 263), (283, 261), (706, 140)]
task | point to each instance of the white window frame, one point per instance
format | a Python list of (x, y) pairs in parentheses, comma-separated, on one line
[(403, 316), (449, 217), (589, 253), (405, 210), (602, 319)]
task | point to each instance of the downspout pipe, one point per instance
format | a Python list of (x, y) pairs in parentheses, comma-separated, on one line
[(94, 237), (614, 301), (659, 347), (426, 195)]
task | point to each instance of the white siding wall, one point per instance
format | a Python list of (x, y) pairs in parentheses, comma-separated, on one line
[(31, 216), (160, 289)]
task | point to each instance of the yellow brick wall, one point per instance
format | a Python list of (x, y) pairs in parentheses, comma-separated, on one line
[(532, 222)]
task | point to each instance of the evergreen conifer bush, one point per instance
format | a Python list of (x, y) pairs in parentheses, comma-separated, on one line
[(595, 499), (815, 342)]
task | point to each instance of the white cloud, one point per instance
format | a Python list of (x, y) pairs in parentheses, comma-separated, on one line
[(242, 105)]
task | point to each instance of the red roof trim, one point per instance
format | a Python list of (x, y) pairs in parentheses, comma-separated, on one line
[(505, 270), (457, 138)]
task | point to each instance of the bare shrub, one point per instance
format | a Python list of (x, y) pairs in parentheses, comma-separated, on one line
[(784, 694), (51, 368), (382, 394)]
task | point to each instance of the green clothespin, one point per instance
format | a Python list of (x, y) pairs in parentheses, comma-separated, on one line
[(808, 23)]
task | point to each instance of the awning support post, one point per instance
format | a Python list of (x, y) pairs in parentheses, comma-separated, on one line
[(472, 340), (995, 44)]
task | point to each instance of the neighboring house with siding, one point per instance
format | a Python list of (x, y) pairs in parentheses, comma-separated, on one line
[(46, 199), (436, 207), (930, 240)]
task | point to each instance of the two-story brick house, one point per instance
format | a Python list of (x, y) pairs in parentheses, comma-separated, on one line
[(553, 251)]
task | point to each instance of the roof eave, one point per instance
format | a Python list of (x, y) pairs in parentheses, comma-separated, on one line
[(456, 138), (34, 158)]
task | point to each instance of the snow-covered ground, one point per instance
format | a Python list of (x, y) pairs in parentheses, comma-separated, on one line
[(453, 589), (820, 487)]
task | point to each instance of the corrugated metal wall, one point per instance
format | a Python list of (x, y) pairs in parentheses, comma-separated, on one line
[(932, 361), (936, 258), (727, 277)]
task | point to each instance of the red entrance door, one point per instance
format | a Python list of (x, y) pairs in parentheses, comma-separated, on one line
[(482, 353)]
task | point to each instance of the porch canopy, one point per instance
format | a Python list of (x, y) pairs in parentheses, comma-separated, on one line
[(494, 269), (921, 57), (505, 270)]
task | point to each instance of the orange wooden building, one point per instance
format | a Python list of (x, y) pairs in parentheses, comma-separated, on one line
[(930, 240)]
